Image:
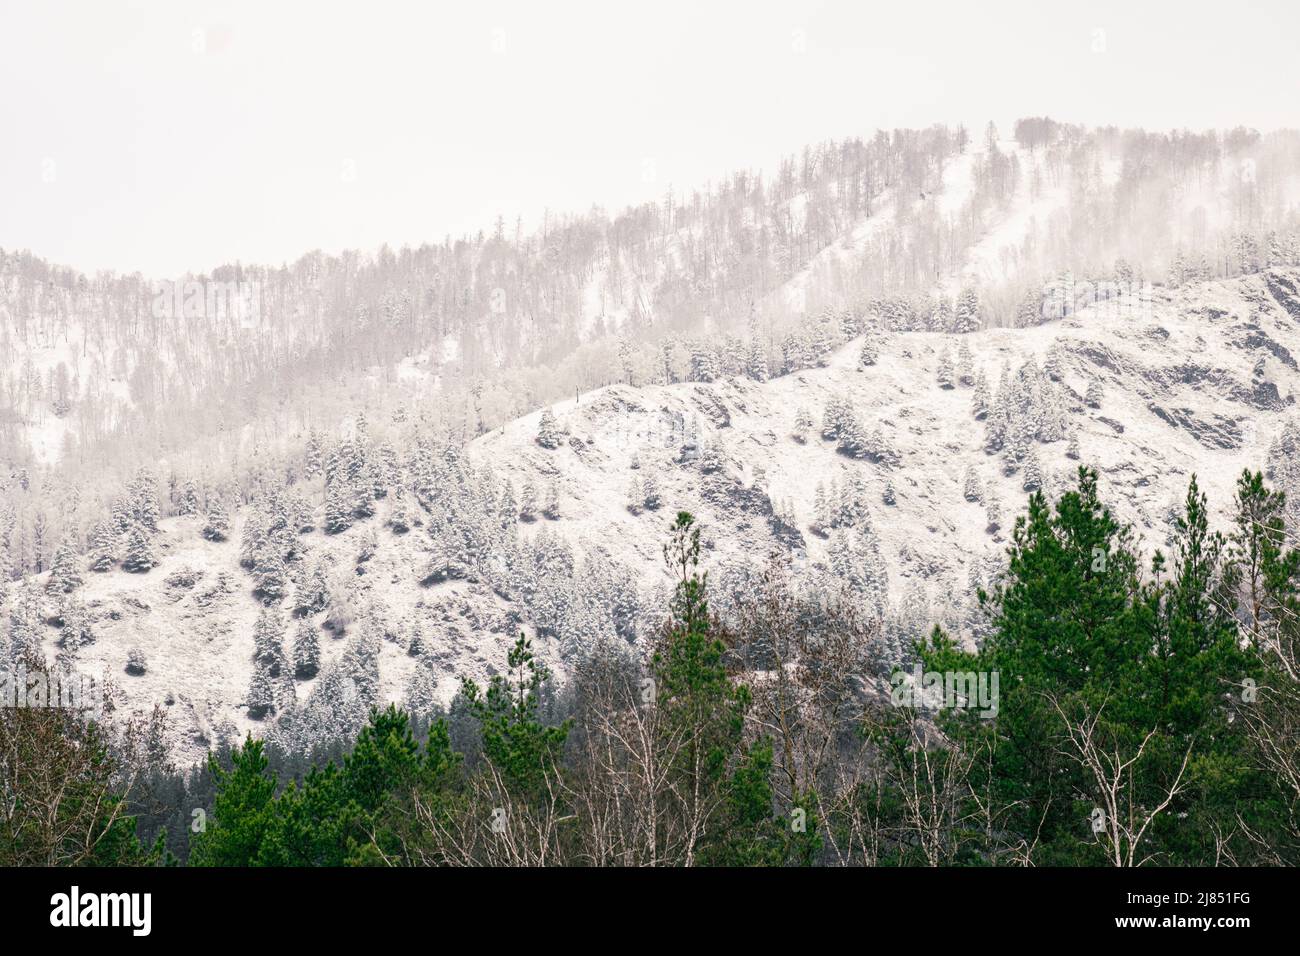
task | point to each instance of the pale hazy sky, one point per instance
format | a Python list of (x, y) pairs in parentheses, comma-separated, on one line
[(172, 136)]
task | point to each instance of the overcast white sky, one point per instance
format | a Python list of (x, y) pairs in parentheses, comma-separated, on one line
[(174, 136)]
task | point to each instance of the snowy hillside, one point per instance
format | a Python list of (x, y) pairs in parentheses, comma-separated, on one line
[(491, 326), (899, 505)]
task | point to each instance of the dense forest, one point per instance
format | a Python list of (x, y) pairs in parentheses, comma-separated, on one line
[(1120, 709)]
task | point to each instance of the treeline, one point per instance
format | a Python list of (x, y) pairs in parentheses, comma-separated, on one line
[(1142, 712)]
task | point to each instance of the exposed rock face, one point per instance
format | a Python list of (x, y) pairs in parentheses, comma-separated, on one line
[(1221, 433), (1284, 288), (1254, 338)]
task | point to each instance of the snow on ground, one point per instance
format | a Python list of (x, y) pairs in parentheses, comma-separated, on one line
[(994, 259), (193, 617), (1179, 397), (959, 181), (793, 295), (1186, 358)]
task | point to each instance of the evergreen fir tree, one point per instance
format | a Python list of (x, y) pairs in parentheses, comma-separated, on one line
[(528, 502), (144, 500), (992, 512), (940, 317), (260, 700), (870, 354), (189, 503), (243, 810), (103, 547), (306, 652), (255, 539), (76, 631), (271, 576), (756, 360), (268, 642), (363, 495), (635, 496), (312, 455), (311, 595), (967, 317), (965, 365), (1033, 473), (945, 373), (121, 515), (338, 508), (704, 363), (217, 527), (853, 439), (139, 556), (64, 576), (980, 398), (507, 507), (880, 450), (136, 665), (548, 430), (1178, 269), (551, 509), (802, 423), (399, 519), (1053, 365), (821, 509), (838, 412), (650, 493), (518, 745)]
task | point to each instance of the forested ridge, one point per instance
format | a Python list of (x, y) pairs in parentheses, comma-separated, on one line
[(361, 549), (753, 275), (1148, 713)]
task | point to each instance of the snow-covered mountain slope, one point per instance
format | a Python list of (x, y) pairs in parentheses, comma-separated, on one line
[(1202, 380), (125, 370), (1181, 390)]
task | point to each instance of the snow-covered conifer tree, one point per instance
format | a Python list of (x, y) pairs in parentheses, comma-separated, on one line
[(136, 665), (870, 353), (64, 576), (103, 546), (217, 527), (306, 652), (548, 430), (139, 556), (965, 365), (979, 400), (945, 373), (338, 507), (551, 508), (967, 317), (528, 502)]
